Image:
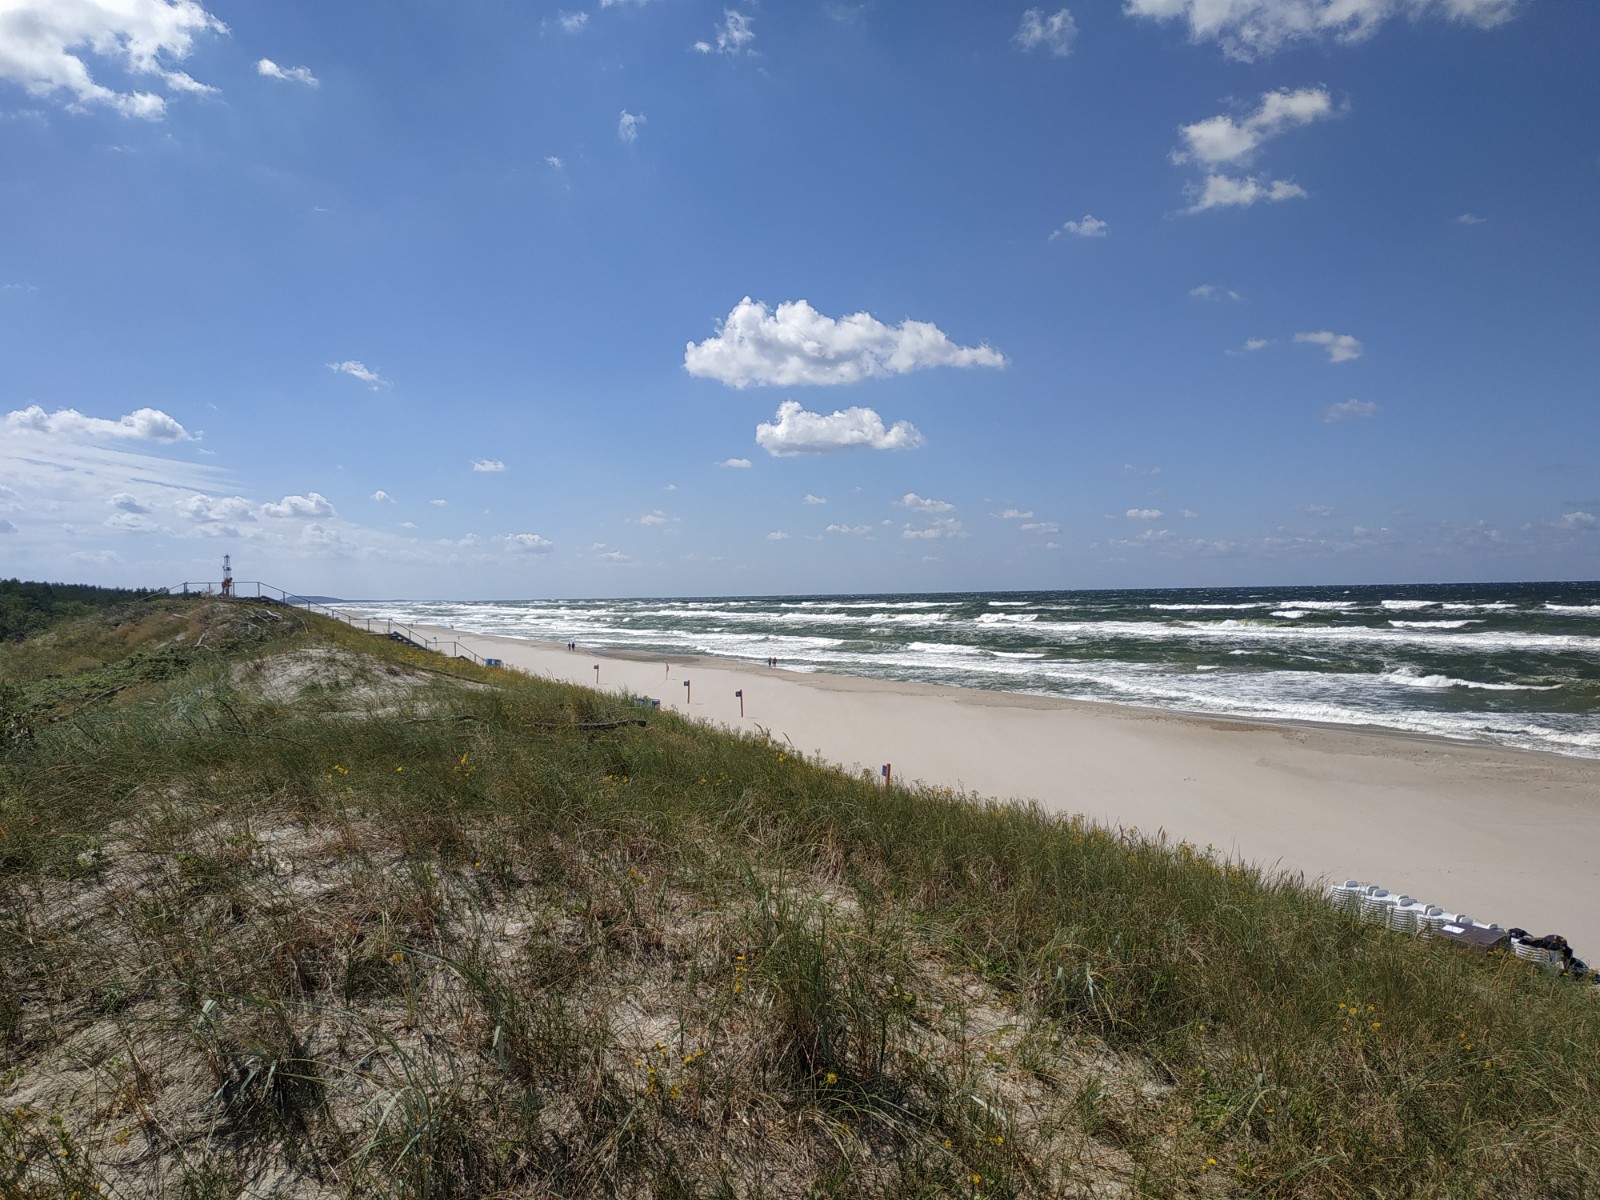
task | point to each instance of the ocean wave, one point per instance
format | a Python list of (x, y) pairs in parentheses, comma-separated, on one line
[(1588, 610), (944, 648), (1462, 624), (1406, 605), (1409, 678), (1289, 614), (1006, 618), (1207, 607)]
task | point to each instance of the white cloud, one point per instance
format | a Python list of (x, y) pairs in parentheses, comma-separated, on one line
[(810, 499), (1247, 29), (777, 535), (554, 162), (1347, 409), (127, 502), (143, 424), (382, 497), (1054, 33), (1317, 510), (1089, 227), (1251, 345), (1579, 520), (205, 510), (271, 70), (439, 503), (796, 345), (1208, 291), (42, 43), (654, 519), (356, 369), (1144, 514), (1341, 347), (628, 126), (1188, 514), (528, 543), (1226, 191), (797, 431), (1040, 527), (733, 36), (922, 504), (614, 556), (312, 504), (945, 527), (1015, 514), (1470, 219), (1221, 139), (739, 463), (572, 22), (408, 524), (488, 464), (850, 529)]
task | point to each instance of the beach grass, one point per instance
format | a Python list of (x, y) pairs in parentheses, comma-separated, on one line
[(294, 910)]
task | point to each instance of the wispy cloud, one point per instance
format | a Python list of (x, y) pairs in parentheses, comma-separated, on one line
[(1227, 191), (1208, 291), (733, 36), (628, 126), (488, 465), (1347, 410), (810, 499), (739, 463), (1341, 347), (1053, 33), (795, 344), (270, 70), (357, 369), (1089, 227)]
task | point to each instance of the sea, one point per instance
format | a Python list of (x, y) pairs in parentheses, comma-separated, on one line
[(1505, 664)]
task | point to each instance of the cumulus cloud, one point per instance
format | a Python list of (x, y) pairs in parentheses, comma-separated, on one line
[(1347, 409), (1227, 191), (356, 369), (1144, 514), (1054, 33), (1249, 29), (528, 543), (1015, 514), (203, 509), (1341, 347), (923, 504), (628, 126), (439, 503), (143, 424), (777, 535), (654, 519), (1221, 139), (1089, 227), (43, 43), (856, 530), (794, 430), (810, 499), (733, 36), (382, 497), (738, 463), (270, 70), (944, 527), (312, 504), (1579, 520), (1251, 345), (572, 22), (795, 344), (488, 464)]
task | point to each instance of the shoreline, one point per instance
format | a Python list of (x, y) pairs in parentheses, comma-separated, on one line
[(1503, 834)]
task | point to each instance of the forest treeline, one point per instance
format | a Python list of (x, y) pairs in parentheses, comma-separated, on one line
[(27, 607)]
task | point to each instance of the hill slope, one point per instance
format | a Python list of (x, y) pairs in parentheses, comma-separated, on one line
[(296, 911)]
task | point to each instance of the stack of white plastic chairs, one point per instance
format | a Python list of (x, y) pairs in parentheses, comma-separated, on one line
[(1550, 959), (1379, 906)]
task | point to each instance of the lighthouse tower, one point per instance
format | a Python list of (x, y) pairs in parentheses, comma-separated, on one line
[(227, 574)]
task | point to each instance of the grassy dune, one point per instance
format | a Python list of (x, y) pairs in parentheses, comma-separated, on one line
[(290, 910)]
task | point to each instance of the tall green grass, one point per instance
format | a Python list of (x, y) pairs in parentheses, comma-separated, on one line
[(464, 945)]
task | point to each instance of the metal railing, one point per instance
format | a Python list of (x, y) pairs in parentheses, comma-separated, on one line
[(381, 626)]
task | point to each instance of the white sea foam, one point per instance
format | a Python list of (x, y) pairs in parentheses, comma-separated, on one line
[(1289, 614), (1407, 605), (1323, 605), (1434, 624), (1006, 618), (944, 648), (1588, 610), (1410, 678), (1206, 607)]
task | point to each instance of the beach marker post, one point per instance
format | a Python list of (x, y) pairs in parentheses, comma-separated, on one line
[(597, 674), (688, 694), (740, 693), (888, 773)]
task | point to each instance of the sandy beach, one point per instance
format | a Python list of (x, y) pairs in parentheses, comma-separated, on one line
[(1503, 835)]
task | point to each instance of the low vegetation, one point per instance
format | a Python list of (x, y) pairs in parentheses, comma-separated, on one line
[(291, 910)]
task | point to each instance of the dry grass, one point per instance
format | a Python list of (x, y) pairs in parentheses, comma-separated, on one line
[(310, 916)]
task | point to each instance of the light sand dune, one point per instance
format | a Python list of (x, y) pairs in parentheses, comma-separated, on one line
[(1504, 835)]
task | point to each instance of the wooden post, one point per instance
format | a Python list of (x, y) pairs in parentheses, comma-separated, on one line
[(888, 774), (740, 694), (597, 674), (688, 694)]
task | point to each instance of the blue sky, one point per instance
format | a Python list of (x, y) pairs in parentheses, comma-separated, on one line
[(667, 297)]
